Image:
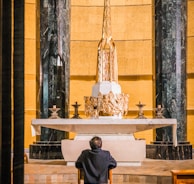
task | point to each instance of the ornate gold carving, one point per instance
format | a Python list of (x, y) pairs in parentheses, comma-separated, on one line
[(106, 105)]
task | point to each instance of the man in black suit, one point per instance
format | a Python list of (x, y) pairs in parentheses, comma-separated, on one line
[(95, 163)]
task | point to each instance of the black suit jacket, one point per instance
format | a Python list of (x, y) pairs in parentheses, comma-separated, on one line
[(95, 164)]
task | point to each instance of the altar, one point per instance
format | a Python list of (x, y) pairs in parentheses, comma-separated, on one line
[(117, 136)]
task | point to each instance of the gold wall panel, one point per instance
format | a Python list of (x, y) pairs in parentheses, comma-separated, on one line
[(190, 54), (127, 23), (190, 15), (30, 1), (138, 90), (190, 94), (30, 94), (83, 57), (79, 89), (190, 128), (30, 56), (134, 57), (30, 20), (86, 23), (113, 2)]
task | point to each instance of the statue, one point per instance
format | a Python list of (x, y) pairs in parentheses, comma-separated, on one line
[(107, 92), (107, 55)]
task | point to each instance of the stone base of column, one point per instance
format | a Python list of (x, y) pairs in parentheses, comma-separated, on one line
[(166, 151), (45, 150)]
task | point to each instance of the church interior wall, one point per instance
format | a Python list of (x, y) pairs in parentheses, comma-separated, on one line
[(132, 31)]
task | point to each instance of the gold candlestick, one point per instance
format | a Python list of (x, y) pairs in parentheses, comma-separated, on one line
[(140, 113)]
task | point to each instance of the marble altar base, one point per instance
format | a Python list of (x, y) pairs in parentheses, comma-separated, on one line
[(124, 148)]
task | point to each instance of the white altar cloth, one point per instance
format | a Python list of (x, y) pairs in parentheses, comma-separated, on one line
[(104, 126)]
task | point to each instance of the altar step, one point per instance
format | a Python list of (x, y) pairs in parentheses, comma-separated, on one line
[(166, 151)]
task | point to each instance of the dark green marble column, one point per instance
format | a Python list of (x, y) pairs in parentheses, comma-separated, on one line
[(55, 43), (170, 28), (5, 91)]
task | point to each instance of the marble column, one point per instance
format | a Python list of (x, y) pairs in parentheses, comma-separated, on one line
[(170, 31), (5, 91), (54, 43)]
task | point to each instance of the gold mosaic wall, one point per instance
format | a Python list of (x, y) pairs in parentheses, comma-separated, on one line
[(132, 31)]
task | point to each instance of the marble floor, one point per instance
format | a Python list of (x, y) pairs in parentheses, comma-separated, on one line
[(150, 172)]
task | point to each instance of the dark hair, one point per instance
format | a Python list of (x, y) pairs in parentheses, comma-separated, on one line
[(96, 142)]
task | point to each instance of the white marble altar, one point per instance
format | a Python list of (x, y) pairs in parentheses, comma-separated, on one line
[(104, 126), (116, 135)]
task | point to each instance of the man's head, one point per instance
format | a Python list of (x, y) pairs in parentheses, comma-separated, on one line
[(96, 142)]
